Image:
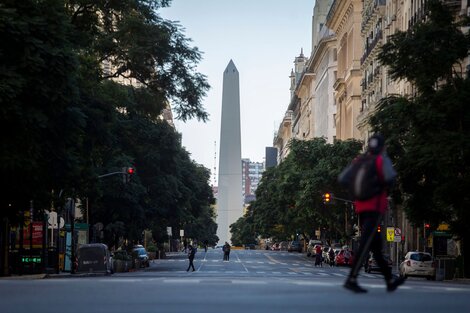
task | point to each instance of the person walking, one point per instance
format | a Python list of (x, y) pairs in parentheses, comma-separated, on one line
[(318, 256), (191, 255), (370, 213), (226, 249), (331, 257)]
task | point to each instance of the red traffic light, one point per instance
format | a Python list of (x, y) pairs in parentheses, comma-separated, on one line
[(378, 229), (427, 225), (130, 170)]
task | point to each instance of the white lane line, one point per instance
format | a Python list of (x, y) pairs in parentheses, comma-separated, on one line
[(184, 281), (322, 274), (249, 282), (246, 270)]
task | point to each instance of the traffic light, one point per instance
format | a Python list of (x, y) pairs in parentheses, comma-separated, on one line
[(427, 230), (130, 170), (127, 172), (326, 198), (378, 229)]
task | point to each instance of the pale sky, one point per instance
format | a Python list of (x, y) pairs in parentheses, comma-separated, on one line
[(262, 37)]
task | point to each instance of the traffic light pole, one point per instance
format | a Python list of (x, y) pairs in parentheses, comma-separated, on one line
[(110, 174)]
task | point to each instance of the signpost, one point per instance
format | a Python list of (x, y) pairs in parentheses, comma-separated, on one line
[(397, 239), (390, 234)]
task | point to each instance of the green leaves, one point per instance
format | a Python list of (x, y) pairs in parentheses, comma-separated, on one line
[(66, 122), (289, 196)]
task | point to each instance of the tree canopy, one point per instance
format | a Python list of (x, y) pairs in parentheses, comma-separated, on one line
[(82, 90), (289, 197)]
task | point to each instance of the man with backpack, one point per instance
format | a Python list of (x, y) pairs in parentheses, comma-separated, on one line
[(368, 177)]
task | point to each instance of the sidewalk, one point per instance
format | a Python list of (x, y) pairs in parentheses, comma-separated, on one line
[(44, 276)]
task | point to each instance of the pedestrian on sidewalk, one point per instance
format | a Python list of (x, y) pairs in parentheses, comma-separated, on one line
[(191, 254), (379, 176)]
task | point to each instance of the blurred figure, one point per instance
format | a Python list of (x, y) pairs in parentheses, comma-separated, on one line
[(381, 175)]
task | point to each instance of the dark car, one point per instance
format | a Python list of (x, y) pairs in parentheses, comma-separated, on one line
[(94, 257), (294, 246), (140, 256), (371, 265)]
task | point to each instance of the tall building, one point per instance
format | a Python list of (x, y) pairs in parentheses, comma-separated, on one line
[(251, 176), (229, 200)]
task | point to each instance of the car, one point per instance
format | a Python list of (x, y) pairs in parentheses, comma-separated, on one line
[(340, 260), (294, 246), (311, 246), (94, 257), (418, 264), (140, 256), (275, 247), (283, 245), (371, 265), (250, 246)]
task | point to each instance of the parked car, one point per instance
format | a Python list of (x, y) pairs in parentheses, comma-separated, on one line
[(283, 245), (250, 246), (371, 265), (340, 260), (94, 258), (419, 264), (140, 256), (294, 246), (312, 245), (275, 247)]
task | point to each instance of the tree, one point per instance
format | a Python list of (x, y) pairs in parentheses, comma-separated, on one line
[(68, 123), (39, 105), (289, 196), (428, 131), (136, 44)]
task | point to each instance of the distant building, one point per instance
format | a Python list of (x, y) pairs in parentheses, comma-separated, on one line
[(251, 176)]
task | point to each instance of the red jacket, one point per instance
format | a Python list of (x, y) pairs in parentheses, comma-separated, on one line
[(378, 203)]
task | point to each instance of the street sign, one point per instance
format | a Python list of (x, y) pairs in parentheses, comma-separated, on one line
[(390, 233), (397, 235), (181, 232)]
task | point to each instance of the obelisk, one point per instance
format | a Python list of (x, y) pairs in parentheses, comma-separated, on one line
[(229, 200)]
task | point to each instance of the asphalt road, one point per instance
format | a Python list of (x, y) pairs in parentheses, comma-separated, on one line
[(252, 281)]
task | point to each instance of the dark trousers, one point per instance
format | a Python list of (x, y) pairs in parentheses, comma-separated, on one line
[(371, 240), (191, 264)]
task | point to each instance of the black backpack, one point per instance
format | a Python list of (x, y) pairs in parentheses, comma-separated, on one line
[(363, 180)]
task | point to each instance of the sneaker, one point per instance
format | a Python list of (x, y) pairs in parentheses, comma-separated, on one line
[(354, 287), (393, 284)]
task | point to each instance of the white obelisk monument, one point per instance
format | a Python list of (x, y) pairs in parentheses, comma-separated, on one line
[(229, 200)]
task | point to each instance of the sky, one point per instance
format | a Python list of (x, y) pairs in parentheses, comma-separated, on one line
[(262, 37)]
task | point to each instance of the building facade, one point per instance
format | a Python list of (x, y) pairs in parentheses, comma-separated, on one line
[(344, 19)]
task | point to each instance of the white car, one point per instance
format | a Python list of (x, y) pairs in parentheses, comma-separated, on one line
[(420, 264)]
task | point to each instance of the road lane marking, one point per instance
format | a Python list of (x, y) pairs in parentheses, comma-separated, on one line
[(242, 263), (184, 281)]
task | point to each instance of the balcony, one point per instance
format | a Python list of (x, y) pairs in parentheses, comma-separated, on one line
[(371, 46)]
